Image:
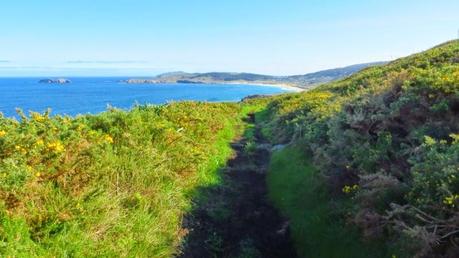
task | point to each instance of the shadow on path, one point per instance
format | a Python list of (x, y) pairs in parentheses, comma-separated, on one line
[(236, 219)]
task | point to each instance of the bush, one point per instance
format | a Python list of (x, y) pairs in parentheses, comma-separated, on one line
[(392, 131), (113, 184)]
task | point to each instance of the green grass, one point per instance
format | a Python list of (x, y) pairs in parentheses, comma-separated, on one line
[(316, 229), (115, 184)]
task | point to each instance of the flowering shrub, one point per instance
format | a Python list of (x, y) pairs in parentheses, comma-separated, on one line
[(436, 176), (349, 189), (392, 132), (112, 184)]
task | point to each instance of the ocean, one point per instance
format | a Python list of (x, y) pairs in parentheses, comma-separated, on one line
[(94, 95)]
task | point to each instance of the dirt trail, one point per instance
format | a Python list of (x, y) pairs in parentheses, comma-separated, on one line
[(237, 219)]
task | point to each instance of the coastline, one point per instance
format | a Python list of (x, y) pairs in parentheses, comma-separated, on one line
[(116, 94), (282, 86), (286, 87)]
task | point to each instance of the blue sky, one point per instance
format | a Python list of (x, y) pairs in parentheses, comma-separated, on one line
[(146, 37)]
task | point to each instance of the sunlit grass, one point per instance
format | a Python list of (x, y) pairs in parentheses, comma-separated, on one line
[(113, 184)]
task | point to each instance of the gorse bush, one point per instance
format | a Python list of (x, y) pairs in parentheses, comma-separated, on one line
[(390, 131), (300, 114), (435, 175), (113, 184)]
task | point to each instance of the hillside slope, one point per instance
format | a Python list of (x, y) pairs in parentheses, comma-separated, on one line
[(303, 81), (386, 142)]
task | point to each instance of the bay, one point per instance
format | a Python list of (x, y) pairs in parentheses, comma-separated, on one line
[(94, 94)]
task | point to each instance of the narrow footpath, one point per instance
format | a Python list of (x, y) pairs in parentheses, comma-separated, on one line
[(237, 219)]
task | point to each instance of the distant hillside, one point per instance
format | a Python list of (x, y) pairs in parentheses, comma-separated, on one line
[(303, 81), (329, 75)]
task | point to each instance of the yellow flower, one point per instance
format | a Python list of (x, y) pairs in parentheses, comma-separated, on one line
[(451, 200), (37, 117), (349, 189), (455, 137), (38, 174), (20, 149), (429, 141), (40, 142), (2, 133), (56, 147), (108, 139)]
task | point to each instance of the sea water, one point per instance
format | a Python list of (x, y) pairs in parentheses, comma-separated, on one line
[(94, 95)]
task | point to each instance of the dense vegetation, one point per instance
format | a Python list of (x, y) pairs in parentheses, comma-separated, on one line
[(113, 184), (386, 143), (371, 168)]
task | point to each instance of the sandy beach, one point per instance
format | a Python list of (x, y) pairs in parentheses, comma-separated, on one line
[(282, 86)]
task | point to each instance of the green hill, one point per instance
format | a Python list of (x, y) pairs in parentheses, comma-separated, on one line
[(385, 144), (303, 81)]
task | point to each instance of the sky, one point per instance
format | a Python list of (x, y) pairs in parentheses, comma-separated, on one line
[(147, 37)]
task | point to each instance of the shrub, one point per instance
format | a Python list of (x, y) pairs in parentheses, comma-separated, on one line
[(392, 131), (112, 184)]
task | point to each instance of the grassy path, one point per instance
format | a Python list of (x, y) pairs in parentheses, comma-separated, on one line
[(235, 218), (317, 230)]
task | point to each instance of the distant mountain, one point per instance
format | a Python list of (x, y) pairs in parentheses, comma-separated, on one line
[(302, 81), (329, 75)]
